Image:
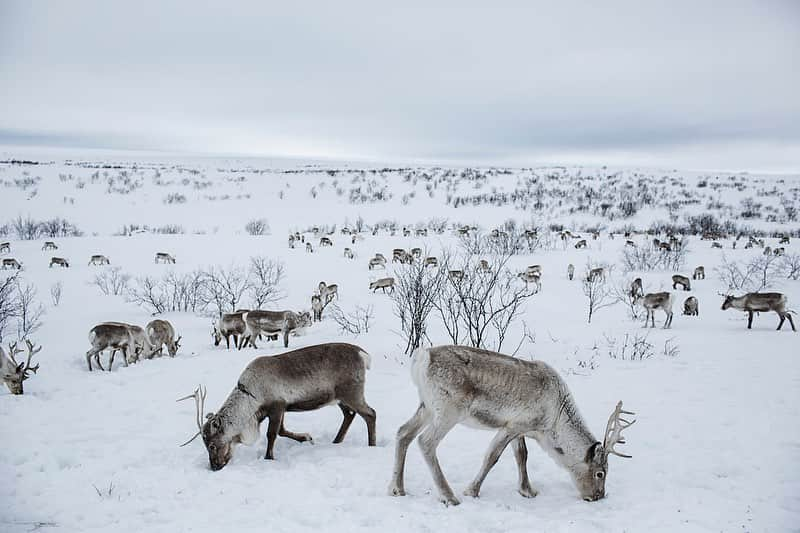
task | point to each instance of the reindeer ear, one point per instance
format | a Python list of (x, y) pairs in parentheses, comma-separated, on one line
[(594, 453)]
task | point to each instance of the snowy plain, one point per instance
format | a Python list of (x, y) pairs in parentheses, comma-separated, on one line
[(716, 446)]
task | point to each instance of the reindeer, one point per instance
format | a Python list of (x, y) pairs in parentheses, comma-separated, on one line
[(300, 380), (143, 348), (636, 288), (383, 284), (570, 271), (11, 263), (484, 266), (99, 260), (598, 273), (784, 240), (114, 335), (683, 281), (691, 307), (699, 273), (377, 262), (317, 307), (581, 244), (354, 237), (406, 232), (653, 301), (328, 292), (309, 248), (779, 251), (161, 332), (291, 241), (529, 277), (5, 248), (767, 251), (534, 269), (163, 257), (455, 275), (60, 261), (348, 254), (272, 322), (431, 261), (656, 244), (325, 241), (757, 302), (518, 398), (49, 245), (665, 247), (401, 256), (718, 245), (416, 253), (630, 243), (13, 373), (229, 325)]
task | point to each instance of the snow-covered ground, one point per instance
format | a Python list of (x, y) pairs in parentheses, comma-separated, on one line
[(716, 446)]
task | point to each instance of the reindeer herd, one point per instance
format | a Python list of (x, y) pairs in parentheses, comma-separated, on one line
[(456, 384)]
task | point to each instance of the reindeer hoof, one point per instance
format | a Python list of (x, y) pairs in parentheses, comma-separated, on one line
[(449, 500), (471, 491), (306, 438), (394, 490), (528, 492)]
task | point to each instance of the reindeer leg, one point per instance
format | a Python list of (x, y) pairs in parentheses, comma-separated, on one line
[(368, 414), (286, 338), (782, 317), (275, 420), (496, 448), (349, 415), (299, 437), (521, 455), (405, 435), (749, 320), (110, 359), (429, 440)]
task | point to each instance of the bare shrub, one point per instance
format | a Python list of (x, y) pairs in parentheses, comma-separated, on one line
[(620, 292), (258, 226), (148, 292), (225, 287), (26, 229), (112, 281), (631, 347), (9, 305), (790, 266), (761, 272), (355, 322), (55, 293), (175, 198), (416, 290), (645, 258), (29, 310), (597, 291), (266, 276)]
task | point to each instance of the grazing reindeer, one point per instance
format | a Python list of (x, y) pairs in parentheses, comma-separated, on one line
[(779, 251), (317, 307), (598, 273), (143, 348), (422, 232), (484, 266), (691, 307), (13, 373), (529, 277), (416, 253), (325, 241), (683, 281), (699, 273), (534, 269), (630, 243), (383, 284), (400, 256), (110, 335), (784, 240), (229, 325), (377, 262), (656, 244), (636, 288), (431, 261), (760, 301), (767, 251), (11, 263), (60, 261), (716, 244), (455, 275), (161, 332), (5, 248), (163, 257), (300, 380), (99, 260), (665, 247), (291, 241), (581, 244), (309, 248), (348, 253), (328, 292), (570, 271), (49, 245), (653, 301), (518, 398), (270, 323)]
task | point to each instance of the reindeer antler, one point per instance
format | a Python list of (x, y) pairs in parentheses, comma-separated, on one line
[(31, 352), (614, 430), (199, 396), (12, 351)]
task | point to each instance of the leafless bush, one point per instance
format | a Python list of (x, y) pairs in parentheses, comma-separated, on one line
[(9, 305), (597, 290), (670, 348), (29, 310), (356, 322), (266, 276), (59, 227), (645, 258), (631, 347), (149, 292), (225, 287), (112, 281), (416, 289), (55, 293), (175, 198), (258, 226), (760, 272), (184, 292), (26, 229), (621, 293), (790, 266)]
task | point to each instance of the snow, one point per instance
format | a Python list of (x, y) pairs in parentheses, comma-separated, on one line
[(716, 446)]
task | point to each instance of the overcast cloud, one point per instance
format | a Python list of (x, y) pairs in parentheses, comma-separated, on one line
[(685, 84)]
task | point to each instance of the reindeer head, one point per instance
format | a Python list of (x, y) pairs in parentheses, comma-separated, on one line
[(13, 373), (172, 347), (728, 302), (591, 481), (304, 319), (216, 334)]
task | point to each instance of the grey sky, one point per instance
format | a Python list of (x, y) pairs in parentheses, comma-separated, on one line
[(705, 85)]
